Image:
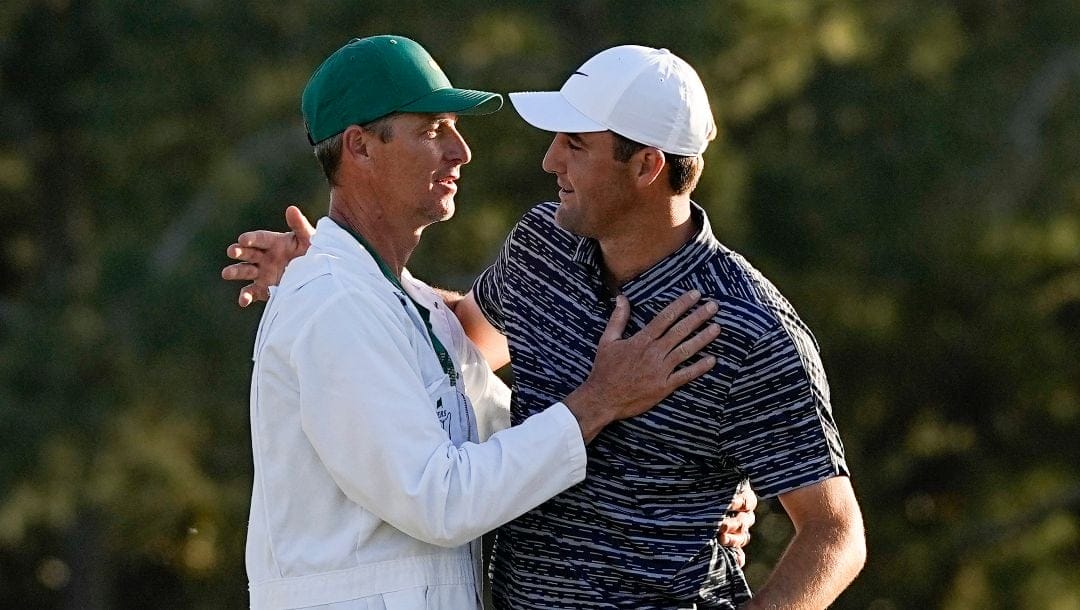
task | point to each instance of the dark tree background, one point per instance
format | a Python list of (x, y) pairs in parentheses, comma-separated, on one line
[(908, 172)]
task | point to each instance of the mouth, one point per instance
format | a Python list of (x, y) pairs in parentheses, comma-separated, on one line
[(564, 190), (449, 182)]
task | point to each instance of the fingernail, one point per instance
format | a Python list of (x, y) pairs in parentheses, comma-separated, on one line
[(695, 294), (712, 307)]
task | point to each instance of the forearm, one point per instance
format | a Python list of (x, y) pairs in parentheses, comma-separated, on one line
[(491, 343), (467, 491), (819, 563), (400, 463)]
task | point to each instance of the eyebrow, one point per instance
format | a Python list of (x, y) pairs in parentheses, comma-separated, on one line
[(438, 120), (442, 117)]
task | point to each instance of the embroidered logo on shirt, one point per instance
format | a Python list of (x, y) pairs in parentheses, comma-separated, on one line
[(443, 414)]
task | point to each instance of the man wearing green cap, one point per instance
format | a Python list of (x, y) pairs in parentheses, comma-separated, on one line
[(369, 407)]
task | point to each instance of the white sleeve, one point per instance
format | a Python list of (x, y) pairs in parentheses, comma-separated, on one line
[(368, 415)]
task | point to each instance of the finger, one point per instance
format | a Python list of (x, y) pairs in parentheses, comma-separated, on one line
[(687, 325), (740, 556), (727, 526), (685, 350), (689, 373), (748, 520), (240, 271), (747, 493), (299, 223), (251, 293), (734, 541), (261, 239), (670, 314), (738, 504), (737, 523), (745, 500), (617, 323), (247, 255), (246, 296), (731, 524)]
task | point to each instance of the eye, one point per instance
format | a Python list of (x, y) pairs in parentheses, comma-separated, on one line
[(570, 144)]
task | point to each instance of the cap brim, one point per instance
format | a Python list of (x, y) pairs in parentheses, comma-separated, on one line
[(458, 101), (549, 110)]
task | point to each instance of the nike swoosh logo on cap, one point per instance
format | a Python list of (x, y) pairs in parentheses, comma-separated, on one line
[(579, 74)]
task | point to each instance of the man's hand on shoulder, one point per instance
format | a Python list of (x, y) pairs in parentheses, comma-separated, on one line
[(264, 255)]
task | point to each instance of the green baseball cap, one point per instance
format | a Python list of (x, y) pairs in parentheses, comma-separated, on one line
[(369, 78)]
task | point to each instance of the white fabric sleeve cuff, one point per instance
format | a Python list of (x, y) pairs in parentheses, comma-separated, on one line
[(571, 435)]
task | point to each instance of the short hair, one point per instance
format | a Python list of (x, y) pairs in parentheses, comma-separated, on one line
[(328, 151), (683, 171)]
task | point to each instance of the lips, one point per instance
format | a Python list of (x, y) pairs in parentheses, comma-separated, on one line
[(448, 182)]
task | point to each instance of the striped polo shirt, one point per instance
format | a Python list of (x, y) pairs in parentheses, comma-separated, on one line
[(639, 532)]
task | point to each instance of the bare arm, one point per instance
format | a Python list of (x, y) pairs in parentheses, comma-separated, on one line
[(826, 553), (487, 338)]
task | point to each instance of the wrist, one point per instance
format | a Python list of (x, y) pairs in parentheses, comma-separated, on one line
[(590, 413)]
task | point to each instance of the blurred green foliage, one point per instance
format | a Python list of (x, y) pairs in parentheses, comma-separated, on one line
[(908, 172)]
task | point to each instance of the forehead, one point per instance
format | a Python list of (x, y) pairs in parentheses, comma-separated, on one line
[(591, 138)]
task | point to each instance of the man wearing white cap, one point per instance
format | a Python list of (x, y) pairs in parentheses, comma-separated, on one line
[(630, 127), (631, 124)]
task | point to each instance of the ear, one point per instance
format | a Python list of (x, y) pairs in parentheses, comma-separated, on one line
[(356, 144), (647, 164)]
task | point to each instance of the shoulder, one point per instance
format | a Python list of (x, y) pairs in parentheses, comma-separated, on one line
[(749, 297), (330, 287)]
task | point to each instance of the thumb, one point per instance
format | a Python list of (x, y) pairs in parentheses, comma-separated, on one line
[(299, 224), (617, 323)]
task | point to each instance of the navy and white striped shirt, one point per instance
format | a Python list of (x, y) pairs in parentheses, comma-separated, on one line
[(639, 532)]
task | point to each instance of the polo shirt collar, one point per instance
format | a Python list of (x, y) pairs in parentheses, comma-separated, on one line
[(665, 273)]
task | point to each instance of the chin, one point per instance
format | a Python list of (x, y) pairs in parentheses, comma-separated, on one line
[(567, 221), (444, 211)]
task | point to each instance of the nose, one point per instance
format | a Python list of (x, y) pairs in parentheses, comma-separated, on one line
[(457, 149), (553, 162)]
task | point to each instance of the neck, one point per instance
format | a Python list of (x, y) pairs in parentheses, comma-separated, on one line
[(392, 243), (633, 249)]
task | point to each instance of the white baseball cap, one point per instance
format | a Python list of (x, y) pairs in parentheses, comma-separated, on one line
[(650, 96)]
